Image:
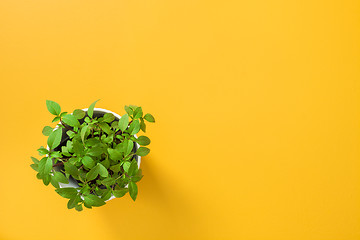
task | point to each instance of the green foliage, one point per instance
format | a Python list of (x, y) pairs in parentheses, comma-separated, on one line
[(53, 107), (108, 117), (98, 152), (133, 190), (54, 138), (124, 122), (79, 114), (143, 140), (148, 117), (90, 111), (59, 177), (142, 151), (71, 120), (47, 130)]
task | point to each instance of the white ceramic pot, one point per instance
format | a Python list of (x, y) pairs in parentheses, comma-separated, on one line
[(73, 183)]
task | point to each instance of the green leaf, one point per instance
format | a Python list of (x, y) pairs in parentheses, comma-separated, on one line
[(92, 200), (83, 133), (36, 161), (87, 205), (53, 107), (60, 177), (71, 169), (73, 202), (46, 179), (121, 147), (148, 117), (69, 145), (79, 114), (102, 170), (54, 182), (79, 208), (92, 142), (143, 140), (133, 107), (56, 154), (106, 163), (88, 161), (85, 189), (78, 148), (138, 113), (71, 134), (67, 192), (43, 151), (56, 119), (133, 168), (142, 151), (54, 138), (116, 168), (106, 195), (114, 154), (108, 181), (108, 117), (137, 177), (126, 166), (34, 166), (105, 127), (96, 150), (93, 173), (115, 125), (41, 165), (71, 120), (90, 111), (128, 110), (129, 146), (48, 166), (142, 125), (124, 122), (120, 192), (133, 190), (134, 127), (47, 130), (108, 139)]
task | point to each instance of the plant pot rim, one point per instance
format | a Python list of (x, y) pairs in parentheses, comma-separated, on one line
[(138, 158)]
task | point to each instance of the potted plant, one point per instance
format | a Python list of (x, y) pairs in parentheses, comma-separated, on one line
[(93, 155)]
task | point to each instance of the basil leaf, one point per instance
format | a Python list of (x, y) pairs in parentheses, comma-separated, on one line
[(120, 193), (123, 122), (108, 117), (67, 192), (92, 200), (133, 190), (143, 140), (79, 114), (71, 120), (47, 130), (90, 111), (54, 138), (58, 176), (142, 151), (148, 117), (53, 107)]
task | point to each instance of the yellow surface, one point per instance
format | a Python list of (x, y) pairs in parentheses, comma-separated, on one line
[(257, 106)]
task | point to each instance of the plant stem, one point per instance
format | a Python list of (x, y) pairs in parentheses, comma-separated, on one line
[(66, 126), (58, 164)]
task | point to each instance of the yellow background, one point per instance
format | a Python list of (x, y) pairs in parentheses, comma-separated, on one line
[(257, 107)]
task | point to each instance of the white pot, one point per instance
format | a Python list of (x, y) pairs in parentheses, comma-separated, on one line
[(73, 183)]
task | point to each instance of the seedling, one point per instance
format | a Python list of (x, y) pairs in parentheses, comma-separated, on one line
[(98, 153)]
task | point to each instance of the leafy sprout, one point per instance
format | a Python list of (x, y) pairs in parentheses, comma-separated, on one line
[(99, 153)]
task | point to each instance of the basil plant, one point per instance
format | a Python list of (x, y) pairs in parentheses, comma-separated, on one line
[(95, 151)]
